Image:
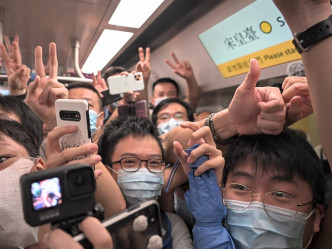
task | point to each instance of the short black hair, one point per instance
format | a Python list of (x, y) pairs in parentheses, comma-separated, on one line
[(12, 104), (286, 154), (166, 102), (86, 86), (122, 127), (19, 134), (113, 70), (166, 80)]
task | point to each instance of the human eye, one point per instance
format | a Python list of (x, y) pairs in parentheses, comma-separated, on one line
[(179, 115), (281, 195), (163, 117), (171, 94), (4, 158), (238, 189), (155, 162), (129, 162)]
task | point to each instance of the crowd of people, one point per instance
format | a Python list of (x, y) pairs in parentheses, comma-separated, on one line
[(260, 185)]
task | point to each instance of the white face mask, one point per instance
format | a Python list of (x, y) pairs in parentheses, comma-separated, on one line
[(253, 228), (168, 126), (14, 231), (158, 100)]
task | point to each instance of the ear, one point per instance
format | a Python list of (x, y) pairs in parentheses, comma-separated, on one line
[(102, 115), (318, 216), (100, 119), (153, 100), (40, 164)]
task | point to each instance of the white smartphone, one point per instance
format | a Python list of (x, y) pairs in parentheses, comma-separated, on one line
[(73, 112), (135, 227), (125, 83)]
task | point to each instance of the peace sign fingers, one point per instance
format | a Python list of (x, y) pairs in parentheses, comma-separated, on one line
[(39, 65), (175, 58), (53, 68)]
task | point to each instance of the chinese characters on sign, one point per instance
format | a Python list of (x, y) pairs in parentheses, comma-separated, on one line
[(241, 38)]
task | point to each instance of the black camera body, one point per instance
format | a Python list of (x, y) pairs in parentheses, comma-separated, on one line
[(58, 195)]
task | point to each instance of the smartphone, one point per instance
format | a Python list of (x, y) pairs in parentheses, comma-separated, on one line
[(135, 227), (134, 109), (73, 112), (125, 83), (110, 98)]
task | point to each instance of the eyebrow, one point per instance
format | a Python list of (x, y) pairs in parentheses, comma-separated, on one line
[(137, 156), (275, 178), (243, 173), (283, 178)]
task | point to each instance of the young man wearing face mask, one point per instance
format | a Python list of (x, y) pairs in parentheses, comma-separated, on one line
[(131, 149), (273, 190), (19, 155), (167, 115), (170, 113), (96, 114)]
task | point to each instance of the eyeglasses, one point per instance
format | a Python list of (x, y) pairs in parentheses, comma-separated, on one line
[(167, 116), (238, 192), (133, 164)]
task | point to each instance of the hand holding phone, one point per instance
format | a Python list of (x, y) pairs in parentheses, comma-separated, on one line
[(136, 227), (125, 83), (73, 112)]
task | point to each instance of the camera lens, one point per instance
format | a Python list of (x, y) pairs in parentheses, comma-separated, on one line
[(79, 181)]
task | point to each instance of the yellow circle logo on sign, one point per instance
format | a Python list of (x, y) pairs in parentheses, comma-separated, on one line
[(265, 27)]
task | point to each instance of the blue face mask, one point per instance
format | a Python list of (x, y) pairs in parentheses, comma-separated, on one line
[(139, 186), (93, 121), (168, 126), (253, 228)]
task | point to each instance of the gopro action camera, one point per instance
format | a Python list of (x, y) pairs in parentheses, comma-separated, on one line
[(58, 195)]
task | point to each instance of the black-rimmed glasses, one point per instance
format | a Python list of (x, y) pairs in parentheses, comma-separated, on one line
[(133, 164)]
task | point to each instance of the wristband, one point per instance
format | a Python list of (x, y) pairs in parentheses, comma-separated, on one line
[(305, 40), (208, 122)]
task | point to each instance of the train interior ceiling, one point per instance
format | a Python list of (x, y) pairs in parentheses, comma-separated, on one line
[(76, 25)]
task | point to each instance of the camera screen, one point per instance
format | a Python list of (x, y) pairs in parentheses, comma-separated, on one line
[(46, 193)]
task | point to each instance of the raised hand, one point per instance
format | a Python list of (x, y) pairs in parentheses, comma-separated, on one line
[(182, 68), (18, 74), (201, 136), (43, 91), (257, 109), (143, 65), (56, 157), (99, 83), (93, 230), (297, 99)]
